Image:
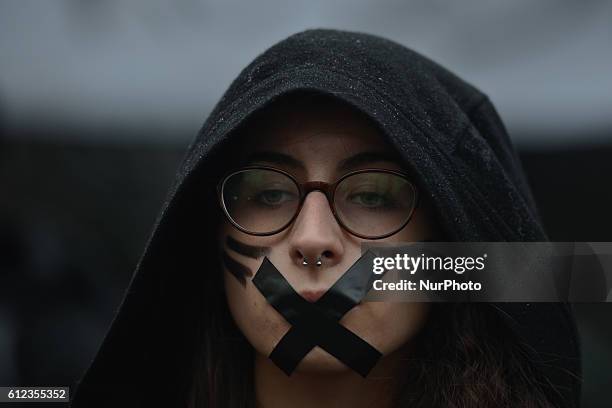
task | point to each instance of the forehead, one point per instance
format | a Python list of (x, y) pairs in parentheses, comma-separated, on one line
[(315, 128)]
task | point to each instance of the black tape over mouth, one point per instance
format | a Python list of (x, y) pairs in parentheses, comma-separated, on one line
[(317, 324)]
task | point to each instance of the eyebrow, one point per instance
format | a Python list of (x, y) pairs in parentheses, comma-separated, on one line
[(349, 163), (276, 158), (364, 158)]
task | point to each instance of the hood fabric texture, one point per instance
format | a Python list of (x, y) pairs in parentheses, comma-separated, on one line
[(447, 132)]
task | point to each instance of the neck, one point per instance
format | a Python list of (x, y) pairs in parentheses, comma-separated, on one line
[(274, 389)]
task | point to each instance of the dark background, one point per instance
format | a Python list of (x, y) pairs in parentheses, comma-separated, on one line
[(99, 100)]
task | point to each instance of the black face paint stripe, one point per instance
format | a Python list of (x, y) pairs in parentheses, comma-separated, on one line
[(237, 269), (251, 251), (317, 323)]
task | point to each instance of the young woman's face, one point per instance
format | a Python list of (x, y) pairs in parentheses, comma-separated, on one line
[(311, 145)]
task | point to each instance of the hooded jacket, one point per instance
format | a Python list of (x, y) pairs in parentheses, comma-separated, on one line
[(447, 132)]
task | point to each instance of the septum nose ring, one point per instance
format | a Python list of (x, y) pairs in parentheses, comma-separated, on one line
[(318, 263)]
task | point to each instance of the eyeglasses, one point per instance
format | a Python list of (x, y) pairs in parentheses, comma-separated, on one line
[(368, 203)]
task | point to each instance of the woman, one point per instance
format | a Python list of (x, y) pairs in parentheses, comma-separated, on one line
[(327, 140)]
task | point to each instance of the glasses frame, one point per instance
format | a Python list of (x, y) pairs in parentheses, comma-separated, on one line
[(328, 189)]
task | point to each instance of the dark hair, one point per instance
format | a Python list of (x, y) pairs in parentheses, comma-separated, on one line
[(222, 373), (468, 356)]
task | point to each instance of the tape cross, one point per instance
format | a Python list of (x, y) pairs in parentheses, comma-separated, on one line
[(317, 324)]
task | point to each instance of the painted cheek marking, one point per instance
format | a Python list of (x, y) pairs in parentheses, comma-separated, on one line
[(247, 250), (236, 268)]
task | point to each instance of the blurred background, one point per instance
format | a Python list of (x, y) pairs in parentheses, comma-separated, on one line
[(99, 100)]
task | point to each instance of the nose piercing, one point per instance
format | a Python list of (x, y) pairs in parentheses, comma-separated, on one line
[(318, 263)]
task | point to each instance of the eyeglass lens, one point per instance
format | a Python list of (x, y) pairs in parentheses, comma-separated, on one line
[(368, 203)]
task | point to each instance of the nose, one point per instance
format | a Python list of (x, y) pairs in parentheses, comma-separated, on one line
[(316, 234)]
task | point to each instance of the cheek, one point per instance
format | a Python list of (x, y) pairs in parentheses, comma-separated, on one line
[(253, 315), (387, 325), (255, 318), (420, 227)]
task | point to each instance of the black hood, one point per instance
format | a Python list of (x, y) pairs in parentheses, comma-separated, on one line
[(449, 135)]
